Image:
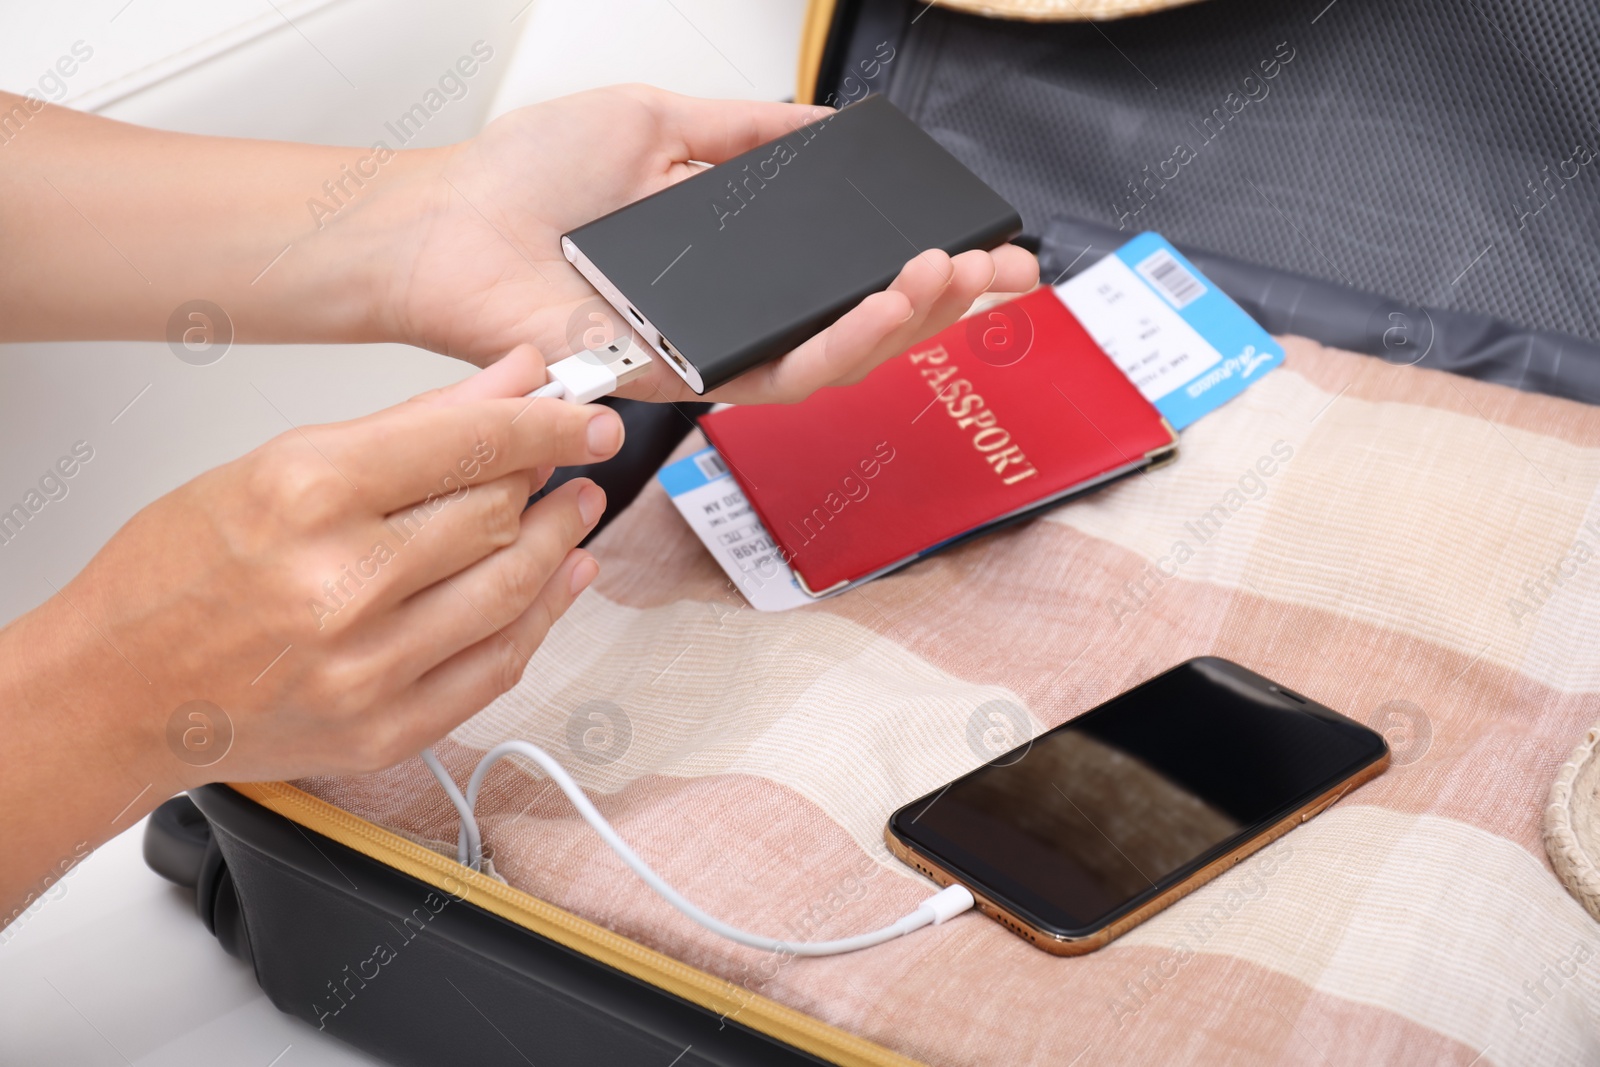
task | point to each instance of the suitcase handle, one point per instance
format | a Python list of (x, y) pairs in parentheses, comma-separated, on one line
[(180, 847), (175, 841)]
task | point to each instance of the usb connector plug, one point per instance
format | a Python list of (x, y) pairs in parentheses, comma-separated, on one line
[(598, 372)]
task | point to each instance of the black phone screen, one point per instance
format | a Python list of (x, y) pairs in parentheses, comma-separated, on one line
[(1094, 817)]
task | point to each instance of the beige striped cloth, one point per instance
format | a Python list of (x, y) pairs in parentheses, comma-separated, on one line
[(1412, 560)]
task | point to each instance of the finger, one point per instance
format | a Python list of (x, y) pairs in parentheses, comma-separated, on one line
[(974, 274), (827, 357), (464, 608), (517, 373), (408, 453), (716, 130), (922, 281), (1016, 270), (428, 541), (971, 275), (937, 291), (457, 688), (857, 342)]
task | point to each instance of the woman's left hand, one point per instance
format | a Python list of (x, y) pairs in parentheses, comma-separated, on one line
[(481, 268)]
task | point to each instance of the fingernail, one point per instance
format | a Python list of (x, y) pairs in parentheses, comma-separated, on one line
[(909, 315), (605, 433), (583, 573), (591, 504)]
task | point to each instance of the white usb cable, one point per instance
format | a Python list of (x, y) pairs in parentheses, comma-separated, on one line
[(945, 904), (590, 375), (583, 378)]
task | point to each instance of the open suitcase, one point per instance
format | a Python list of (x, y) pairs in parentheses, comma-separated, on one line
[(1405, 180)]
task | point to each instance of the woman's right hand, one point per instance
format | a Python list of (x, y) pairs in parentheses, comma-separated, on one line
[(344, 594)]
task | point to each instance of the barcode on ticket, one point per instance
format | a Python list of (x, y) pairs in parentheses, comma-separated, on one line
[(1171, 279), (710, 465)]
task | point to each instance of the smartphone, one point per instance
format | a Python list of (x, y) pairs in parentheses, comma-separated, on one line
[(746, 260), (1084, 832)]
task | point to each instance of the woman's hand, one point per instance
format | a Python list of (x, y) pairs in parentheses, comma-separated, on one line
[(480, 268), (454, 249), (331, 602)]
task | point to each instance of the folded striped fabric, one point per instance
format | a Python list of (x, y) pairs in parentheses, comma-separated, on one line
[(1417, 550)]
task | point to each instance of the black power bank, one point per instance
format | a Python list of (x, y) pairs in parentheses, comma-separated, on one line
[(744, 261)]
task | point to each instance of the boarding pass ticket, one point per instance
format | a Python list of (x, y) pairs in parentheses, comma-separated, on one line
[(708, 498), (1184, 342)]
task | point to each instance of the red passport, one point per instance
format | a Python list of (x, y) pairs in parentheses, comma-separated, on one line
[(1008, 412)]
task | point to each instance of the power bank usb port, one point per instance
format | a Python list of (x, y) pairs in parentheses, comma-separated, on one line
[(674, 355)]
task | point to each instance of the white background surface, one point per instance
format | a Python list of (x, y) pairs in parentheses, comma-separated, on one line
[(116, 969)]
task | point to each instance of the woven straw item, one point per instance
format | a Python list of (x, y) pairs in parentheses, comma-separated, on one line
[(1060, 10), (1572, 823)]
